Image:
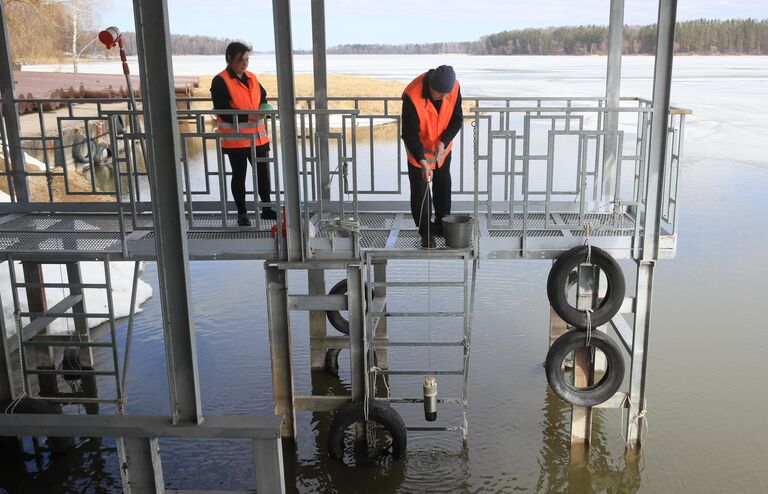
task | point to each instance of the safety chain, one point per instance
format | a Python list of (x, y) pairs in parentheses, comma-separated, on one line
[(51, 148)]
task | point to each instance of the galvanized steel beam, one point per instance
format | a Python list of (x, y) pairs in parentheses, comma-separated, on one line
[(165, 177), (356, 303), (140, 468), (286, 100), (321, 96), (611, 154), (11, 115), (280, 347), (652, 219)]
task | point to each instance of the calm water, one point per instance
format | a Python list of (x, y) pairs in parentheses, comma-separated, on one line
[(706, 400)]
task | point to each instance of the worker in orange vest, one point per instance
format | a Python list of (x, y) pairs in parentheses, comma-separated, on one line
[(432, 117), (237, 88)]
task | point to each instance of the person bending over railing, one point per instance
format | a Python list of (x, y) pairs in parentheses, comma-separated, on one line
[(432, 116)]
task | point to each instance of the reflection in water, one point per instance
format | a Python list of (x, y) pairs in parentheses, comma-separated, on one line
[(45, 473), (320, 473), (564, 470)]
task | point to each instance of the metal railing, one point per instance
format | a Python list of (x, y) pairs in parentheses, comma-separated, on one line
[(524, 162)]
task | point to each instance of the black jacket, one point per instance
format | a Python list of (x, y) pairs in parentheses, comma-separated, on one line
[(410, 132), (220, 95)]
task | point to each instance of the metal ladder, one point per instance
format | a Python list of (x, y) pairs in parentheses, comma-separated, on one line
[(37, 344), (374, 343)]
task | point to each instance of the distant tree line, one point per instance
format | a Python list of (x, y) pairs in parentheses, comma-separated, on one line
[(702, 36), (184, 44)]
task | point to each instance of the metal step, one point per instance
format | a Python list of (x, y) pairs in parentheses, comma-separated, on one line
[(66, 343), (418, 314), (57, 372), (432, 372), (410, 284), (435, 428), (446, 401), (386, 344)]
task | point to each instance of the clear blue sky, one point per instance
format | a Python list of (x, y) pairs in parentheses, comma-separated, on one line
[(409, 21)]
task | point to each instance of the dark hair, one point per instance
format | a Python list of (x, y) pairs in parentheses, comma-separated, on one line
[(236, 48)]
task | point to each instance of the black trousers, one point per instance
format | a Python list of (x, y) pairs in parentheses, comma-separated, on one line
[(238, 160), (441, 194)]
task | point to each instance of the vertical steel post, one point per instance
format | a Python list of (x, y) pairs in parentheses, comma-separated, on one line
[(662, 81), (165, 177), (380, 331), (11, 114), (611, 154), (356, 301), (280, 347), (286, 100), (317, 324), (6, 374), (140, 467), (321, 97), (270, 473)]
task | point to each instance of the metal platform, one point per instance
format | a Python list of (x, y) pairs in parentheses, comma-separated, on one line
[(88, 235)]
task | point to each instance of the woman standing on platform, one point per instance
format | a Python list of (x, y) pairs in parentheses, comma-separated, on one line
[(236, 88)]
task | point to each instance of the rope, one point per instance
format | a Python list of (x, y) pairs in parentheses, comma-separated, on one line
[(588, 342), (637, 416), (428, 193)]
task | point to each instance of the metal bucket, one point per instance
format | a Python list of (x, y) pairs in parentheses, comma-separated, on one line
[(458, 231)]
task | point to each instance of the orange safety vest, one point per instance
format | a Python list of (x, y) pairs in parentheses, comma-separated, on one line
[(242, 98), (431, 123)]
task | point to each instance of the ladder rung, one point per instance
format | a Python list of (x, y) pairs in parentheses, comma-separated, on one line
[(421, 372), (447, 401), (418, 314), (74, 398), (410, 284), (52, 314), (67, 343), (61, 285), (435, 428), (57, 372), (385, 344)]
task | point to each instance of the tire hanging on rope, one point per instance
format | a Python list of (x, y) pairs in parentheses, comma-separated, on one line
[(83, 149), (332, 361), (596, 393), (334, 316), (558, 283), (378, 412), (25, 404)]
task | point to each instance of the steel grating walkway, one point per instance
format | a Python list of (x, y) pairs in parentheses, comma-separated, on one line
[(212, 236)]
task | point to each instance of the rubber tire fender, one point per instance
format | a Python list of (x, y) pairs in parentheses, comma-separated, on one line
[(334, 316), (379, 412), (591, 395), (558, 280), (78, 146), (57, 445), (332, 361)]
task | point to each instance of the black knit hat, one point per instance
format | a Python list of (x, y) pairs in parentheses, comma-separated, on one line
[(443, 79)]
